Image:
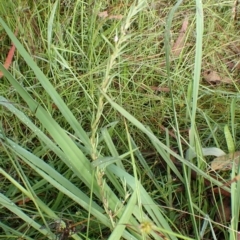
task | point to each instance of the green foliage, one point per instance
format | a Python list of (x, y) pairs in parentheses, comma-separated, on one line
[(80, 141)]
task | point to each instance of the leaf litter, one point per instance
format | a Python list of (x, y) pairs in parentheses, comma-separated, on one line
[(178, 45), (9, 58), (225, 162), (105, 15), (212, 77)]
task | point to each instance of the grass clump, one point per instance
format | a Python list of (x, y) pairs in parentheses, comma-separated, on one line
[(106, 133)]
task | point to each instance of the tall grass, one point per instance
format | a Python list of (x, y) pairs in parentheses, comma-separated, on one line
[(72, 146)]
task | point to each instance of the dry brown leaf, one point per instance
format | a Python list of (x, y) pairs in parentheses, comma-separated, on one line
[(223, 214), (225, 162), (233, 63), (178, 45), (160, 89), (154, 88), (235, 47), (213, 77), (226, 80), (233, 66), (10, 55), (118, 17), (103, 14)]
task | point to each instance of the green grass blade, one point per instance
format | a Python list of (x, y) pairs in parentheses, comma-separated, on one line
[(38, 165), (14, 233), (7, 203), (121, 225), (46, 85), (50, 25), (152, 209), (160, 146), (229, 139), (75, 159)]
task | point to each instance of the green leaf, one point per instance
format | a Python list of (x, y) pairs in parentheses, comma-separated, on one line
[(229, 139)]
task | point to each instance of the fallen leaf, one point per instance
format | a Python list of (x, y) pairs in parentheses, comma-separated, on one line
[(103, 14), (226, 80), (154, 88), (234, 47), (232, 65), (225, 162), (178, 45), (118, 17), (160, 89), (22, 202), (223, 214), (9, 58), (211, 77), (235, 179)]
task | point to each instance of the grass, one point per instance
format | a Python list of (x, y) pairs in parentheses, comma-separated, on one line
[(89, 141)]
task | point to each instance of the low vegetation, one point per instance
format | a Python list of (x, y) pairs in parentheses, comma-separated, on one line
[(119, 119)]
